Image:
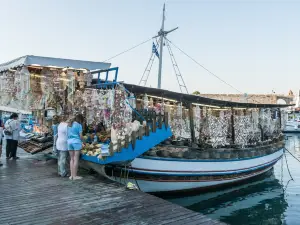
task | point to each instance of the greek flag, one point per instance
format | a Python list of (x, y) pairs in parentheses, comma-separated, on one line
[(154, 50)]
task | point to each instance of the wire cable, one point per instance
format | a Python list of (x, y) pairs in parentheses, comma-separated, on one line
[(121, 53), (204, 67)]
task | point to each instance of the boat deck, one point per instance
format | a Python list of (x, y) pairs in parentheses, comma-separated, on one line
[(32, 193)]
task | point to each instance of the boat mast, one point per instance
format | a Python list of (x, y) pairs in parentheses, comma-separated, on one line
[(161, 35)]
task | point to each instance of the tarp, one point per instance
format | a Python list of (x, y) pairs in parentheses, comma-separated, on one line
[(48, 61)]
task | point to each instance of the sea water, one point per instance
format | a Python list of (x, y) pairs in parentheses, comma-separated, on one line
[(273, 198)]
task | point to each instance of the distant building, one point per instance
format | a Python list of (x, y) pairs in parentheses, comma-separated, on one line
[(254, 98)]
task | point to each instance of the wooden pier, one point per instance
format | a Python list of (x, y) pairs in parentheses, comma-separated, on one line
[(32, 193)]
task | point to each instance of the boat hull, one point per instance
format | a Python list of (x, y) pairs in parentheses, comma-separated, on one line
[(158, 175), (292, 127)]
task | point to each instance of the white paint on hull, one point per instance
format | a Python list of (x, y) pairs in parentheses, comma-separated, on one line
[(194, 168), (151, 166), (165, 186)]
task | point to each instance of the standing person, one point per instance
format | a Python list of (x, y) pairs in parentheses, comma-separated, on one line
[(54, 130), (1, 141), (75, 145), (62, 146), (12, 134)]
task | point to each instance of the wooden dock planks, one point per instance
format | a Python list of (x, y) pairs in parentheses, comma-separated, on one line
[(32, 193)]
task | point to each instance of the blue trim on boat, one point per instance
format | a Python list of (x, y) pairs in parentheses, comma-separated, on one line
[(206, 174), (130, 153), (202, 160)]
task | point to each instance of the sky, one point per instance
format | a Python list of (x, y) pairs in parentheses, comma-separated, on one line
[(252, 45)]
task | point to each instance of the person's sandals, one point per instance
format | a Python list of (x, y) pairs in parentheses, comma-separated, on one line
[(77, 178)]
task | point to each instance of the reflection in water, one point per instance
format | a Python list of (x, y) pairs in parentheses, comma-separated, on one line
[(270, 199)]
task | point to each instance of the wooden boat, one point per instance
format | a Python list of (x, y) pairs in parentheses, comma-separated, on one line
[(205, 172), (180, 167)]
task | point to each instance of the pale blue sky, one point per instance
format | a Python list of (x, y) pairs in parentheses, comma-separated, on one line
[(253, 45)]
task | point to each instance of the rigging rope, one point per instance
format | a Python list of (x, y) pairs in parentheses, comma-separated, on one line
[(208, 69), (128, 50)]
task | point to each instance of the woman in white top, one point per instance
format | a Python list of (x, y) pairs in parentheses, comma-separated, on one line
[(62, 146), (1, 139)]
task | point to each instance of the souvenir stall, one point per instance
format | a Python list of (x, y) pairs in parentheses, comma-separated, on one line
[(44, 87), (60, 87), (116, 131)]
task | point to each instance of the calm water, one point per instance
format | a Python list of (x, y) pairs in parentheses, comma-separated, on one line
[(270, 199)]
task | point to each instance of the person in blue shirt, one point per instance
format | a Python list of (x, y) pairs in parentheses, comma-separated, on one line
[(75, 143)]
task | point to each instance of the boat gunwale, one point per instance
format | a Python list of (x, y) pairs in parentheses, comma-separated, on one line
[(204, 160)]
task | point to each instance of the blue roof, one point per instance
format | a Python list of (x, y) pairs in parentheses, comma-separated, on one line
[(48, 61)]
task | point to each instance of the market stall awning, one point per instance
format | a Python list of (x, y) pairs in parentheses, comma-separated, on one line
[(188, 98), (56, 62)]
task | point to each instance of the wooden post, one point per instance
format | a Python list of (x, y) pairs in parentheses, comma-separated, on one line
[(133, 139), (191, 117), (159, 120), (140, 133), (147, 130), (126, 141), (154, 125), (119, 148), (111, 149), (166, 120), (232, 126)]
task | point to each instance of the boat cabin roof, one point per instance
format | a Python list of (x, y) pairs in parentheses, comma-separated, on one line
[(189, 98)]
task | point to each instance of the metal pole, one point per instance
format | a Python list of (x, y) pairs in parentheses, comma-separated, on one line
[(162, 35)]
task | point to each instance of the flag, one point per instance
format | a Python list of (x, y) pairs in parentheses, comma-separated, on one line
[(154, 50)]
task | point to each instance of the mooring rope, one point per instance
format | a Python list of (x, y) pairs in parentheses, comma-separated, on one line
[(287, 165), (291, 154)]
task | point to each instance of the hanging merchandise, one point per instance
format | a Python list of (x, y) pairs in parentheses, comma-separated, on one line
[(36, 98), (80, 78), (176, 121), (218, 129), (242, 130), (24, 88), (88, 78), (255, 134), (283, 117), (145, 102), (197, 119), (70, 91), (78, 102), (8, 87), (151, 103), (132, 100)]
